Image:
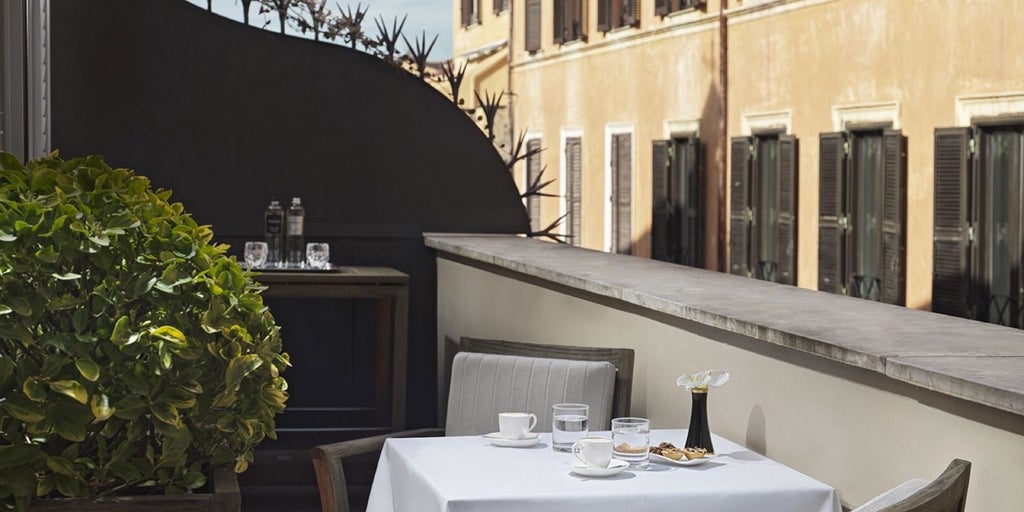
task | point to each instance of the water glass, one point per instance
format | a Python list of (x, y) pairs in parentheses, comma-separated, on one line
[(255, 254), (569, 424), (318, 255), (631, 439)]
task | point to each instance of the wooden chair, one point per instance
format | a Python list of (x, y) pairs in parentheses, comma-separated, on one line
[(947, 493), (581, 374)]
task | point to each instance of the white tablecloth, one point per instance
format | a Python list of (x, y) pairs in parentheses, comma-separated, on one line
[(460, 474)]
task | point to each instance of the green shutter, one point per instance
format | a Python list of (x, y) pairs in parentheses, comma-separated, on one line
[(574, 189), (622, 193), (739, 207), (831, 247), (533, 20), (950, 278), (786, 227), (559, 17), (662, 204), (689, 204), (533, 170), (894, 213), (604, 15)]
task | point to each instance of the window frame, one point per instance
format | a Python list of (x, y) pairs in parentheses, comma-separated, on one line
[(629, 14), (563, 15)]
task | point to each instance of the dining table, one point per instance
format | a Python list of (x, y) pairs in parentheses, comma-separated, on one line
[(469, 474)]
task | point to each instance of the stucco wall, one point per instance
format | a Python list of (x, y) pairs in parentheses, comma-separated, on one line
[(849, 428), (810, 56)]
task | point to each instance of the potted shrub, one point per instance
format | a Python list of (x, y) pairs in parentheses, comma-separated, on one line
[(135, 354)]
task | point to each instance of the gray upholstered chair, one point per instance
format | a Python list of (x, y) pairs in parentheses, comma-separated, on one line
[(483, 385), (947, 493)]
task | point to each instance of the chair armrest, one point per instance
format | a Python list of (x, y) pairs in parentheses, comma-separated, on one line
[(330, 473)]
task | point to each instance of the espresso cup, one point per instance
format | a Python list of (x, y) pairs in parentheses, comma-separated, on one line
[(594, 452), (515, 425)]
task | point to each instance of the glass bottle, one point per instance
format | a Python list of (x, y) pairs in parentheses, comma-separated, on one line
[(295, 244), (273, 231)]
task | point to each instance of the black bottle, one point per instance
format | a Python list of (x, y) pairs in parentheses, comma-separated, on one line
[(295, 244), (273, 230)]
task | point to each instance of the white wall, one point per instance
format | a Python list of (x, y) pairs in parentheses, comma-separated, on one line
[(855, 430)]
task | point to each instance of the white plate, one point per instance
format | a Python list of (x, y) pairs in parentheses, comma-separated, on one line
[(681, 462), (614, 468), (496, 439)]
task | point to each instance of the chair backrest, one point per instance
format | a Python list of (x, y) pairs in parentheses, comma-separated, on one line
[(621, 358), (484, 385), (947, 493)]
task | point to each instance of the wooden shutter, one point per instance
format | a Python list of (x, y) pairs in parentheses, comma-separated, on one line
[(574, 189), (634, 13), (894, 208), (560, 16), (787, 221), (691, 250), (467, 12), (604, 15), (739, 208), (622, 193), (661, 7), (584, 19), (950, 277), (532, 25), (661, 215), (532, 172), (831, 165)]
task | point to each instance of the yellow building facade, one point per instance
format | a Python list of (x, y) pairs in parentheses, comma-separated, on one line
[(799, 137)]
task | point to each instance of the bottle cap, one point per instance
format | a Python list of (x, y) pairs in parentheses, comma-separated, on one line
[(296, 200)]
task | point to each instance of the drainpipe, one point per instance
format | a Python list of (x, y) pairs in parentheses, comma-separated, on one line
[(723, 143), (508, 72)]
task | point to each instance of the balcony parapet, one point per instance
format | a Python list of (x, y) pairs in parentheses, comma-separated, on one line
[(973, 361)]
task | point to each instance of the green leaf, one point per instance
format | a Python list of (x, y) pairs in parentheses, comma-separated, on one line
[(71, 388), (34, 389), (239, 367), (20, 456), (169, 334), (166, 413), (7, 237), (5, 309), (88, 368), (121, 333), (20, 305), (22, 408), (70, 276), (60, 465), (101, 409), (130, 407), (69, 419), (17, 332)]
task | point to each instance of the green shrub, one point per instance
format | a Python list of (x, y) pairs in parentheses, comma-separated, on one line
[(134, 353)]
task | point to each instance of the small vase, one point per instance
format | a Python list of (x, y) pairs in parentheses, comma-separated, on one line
[(699, 435)]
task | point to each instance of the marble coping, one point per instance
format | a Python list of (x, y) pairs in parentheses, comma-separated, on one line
[(975, 361)]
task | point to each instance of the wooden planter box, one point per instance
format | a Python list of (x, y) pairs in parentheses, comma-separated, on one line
[(224, 497)]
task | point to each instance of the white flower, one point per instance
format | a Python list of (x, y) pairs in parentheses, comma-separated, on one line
[(703, 380)]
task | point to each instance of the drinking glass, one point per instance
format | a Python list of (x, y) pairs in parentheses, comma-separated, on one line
[(318, 255), (569, 424), (255, 254), (631, 439)]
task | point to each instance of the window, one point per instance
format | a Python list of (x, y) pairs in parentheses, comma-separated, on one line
[(676, 220), (665, 7), (570, 21), (470, 12), (500, 6), (612, 14), (573, 192), (762, 243), (862, 208), (621, 199), (533, 171), (979, 190), (532, 25)]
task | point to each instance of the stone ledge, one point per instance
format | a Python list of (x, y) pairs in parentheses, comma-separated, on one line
[(974, 361)]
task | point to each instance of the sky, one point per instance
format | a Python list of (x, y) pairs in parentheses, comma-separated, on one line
[(432, 16)]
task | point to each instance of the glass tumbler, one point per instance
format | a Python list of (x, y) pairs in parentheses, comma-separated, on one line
[(255, 254), (318, 255), (631, 441), (569, 424)]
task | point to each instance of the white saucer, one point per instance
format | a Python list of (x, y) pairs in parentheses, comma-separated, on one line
[(681, 462), (496, 439), (614, 468)]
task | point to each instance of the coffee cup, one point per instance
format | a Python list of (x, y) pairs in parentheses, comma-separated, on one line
[(516, 425), (594, 452)]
